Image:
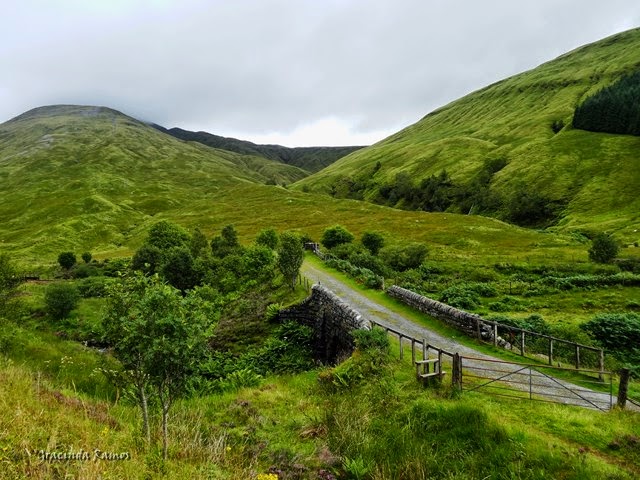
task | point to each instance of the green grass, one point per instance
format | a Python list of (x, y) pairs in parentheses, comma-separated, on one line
[(386, 424), (596, 174)]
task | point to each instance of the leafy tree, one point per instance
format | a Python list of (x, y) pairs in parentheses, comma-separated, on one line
[(259, 261), (67, 260), (86, 257), (226, 243), (165, 235), (603, 249), (159, 337), (290, 257), (617, 332), (372, 241), (9, 278), (148, 259), (198, 243), (179, 270), (60, 299), (268, 237), (336, 235)]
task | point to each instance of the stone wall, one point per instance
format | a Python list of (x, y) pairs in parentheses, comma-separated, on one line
[(470, 323), (332, 321)]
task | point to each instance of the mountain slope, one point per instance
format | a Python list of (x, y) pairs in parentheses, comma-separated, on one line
[(70, 171), (523, 121), (93, 179), (311, 159)]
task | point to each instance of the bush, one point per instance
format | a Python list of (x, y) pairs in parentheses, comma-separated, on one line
[(372, 241), (336, 235), (86, 257), (67, 260), (603, 249), (84, 270), (93, 287), (60, 299), (401, 258)]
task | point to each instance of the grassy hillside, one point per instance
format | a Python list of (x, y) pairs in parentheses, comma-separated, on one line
[(594, 176), (88, 175), (310, 159), (89, 178)]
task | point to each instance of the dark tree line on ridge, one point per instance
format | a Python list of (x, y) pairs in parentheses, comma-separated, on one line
[(614, 109)]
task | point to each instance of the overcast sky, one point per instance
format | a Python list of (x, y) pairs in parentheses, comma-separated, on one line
[(294, 72)]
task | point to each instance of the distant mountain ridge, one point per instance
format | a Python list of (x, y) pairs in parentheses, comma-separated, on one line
[(311, 159)]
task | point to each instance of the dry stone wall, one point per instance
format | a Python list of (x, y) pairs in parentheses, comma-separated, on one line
[(332, 321), (470, 323)]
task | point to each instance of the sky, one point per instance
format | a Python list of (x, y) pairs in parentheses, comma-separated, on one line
[(291, 72)]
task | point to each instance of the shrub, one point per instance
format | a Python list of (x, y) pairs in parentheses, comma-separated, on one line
[(372, 241), (67, 260), (603, 249), (401, 258), (84, 270), (336, 235), (60, 299), (86, 257), (93, 287)]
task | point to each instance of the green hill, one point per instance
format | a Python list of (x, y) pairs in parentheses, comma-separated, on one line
[(92, 173), (521, 126), (310, 159), (90, 178)]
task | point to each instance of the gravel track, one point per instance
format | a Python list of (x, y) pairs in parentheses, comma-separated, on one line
[(540, 386)]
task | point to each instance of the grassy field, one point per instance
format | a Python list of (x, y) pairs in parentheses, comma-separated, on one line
[(384, 427), (596, 175)]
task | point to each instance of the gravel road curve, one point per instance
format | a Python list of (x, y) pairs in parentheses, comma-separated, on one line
[(540, 386)]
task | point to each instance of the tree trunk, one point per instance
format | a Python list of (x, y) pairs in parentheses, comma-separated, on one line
[(165, 437), (142, 397)]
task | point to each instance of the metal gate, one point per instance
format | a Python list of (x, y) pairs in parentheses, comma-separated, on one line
[(536, 382)]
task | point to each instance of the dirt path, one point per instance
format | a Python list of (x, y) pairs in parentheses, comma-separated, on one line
[(536, 383)]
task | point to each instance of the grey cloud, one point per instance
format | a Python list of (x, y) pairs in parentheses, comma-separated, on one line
[(255, 66)]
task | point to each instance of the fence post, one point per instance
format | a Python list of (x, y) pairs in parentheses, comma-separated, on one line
[(478, 334), (413, 351), (522, 344), (601, 365), (577, 357), (424, 349), (551, 351), (401, 348), (495, 334), (623, 388), (456, 374)]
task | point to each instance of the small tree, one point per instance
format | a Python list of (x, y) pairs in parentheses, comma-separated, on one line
[(67, 260), (290, 257), (336, 235), (166, 235), (603, 249), (268, 238), (226, 243), (198, 243), (159, 336), (86, 257), (372, 241), (60, 299)]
